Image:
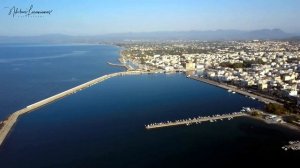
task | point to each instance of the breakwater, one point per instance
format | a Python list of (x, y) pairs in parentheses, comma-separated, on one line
[(11, 120)]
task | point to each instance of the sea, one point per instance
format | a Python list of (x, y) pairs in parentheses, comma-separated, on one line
[(104, 125)]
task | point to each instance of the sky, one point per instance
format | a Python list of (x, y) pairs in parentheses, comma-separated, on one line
[(96, 17)]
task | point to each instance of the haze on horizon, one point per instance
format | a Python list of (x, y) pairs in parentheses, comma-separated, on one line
[(92, 17)]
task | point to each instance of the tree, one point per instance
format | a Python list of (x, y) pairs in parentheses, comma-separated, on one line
[(276, 109)]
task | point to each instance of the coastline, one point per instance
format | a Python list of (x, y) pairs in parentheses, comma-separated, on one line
[(8, 124), (283, 125), (257, 97), (235, 89)]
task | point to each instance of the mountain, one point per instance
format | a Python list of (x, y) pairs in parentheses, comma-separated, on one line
[(217, 35), (294, 38)]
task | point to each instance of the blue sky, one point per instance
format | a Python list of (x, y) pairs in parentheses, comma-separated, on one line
[(92, 17)]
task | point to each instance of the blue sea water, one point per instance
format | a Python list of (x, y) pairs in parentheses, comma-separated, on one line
[(29, 73), (103, 126)]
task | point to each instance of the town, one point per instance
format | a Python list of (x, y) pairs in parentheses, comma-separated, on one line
[(268, 68)]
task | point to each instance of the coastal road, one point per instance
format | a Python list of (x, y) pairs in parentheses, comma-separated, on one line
[(227, 87)]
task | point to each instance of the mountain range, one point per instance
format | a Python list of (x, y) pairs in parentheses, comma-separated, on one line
[(211, 35)]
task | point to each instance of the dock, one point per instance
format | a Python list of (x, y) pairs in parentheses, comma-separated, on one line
[(117, 65), (12, 119), (196, 120), (123, 65)]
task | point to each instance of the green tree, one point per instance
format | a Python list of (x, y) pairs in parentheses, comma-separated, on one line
[(276, 109)]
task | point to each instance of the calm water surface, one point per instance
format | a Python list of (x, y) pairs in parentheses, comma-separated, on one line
[(30, 73), (103, 126)]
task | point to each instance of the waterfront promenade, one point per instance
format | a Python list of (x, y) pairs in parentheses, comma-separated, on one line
[(261, 98), (11, 120), (197, 120)]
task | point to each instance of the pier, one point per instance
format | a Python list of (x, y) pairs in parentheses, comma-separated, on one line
[(118, 65), (123, 65), (196, 120), (11, 120)]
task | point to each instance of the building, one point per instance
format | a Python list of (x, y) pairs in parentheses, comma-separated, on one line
[(263, 86), (189, 66)]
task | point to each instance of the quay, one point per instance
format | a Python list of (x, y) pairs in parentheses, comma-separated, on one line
[(196, 120), (261, 98), (11, 120)]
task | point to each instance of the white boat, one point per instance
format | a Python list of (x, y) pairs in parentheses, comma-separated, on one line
[(229, 90), (170, 72), (233, 92)]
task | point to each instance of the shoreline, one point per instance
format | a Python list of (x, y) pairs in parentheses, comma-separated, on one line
[(283, 125), (257, 98), (8, 123), (12, 118), (235, 89)]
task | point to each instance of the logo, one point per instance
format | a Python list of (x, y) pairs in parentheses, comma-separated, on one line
[(29, 12)]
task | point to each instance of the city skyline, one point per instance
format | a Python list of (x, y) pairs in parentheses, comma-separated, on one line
[(123, 16)]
